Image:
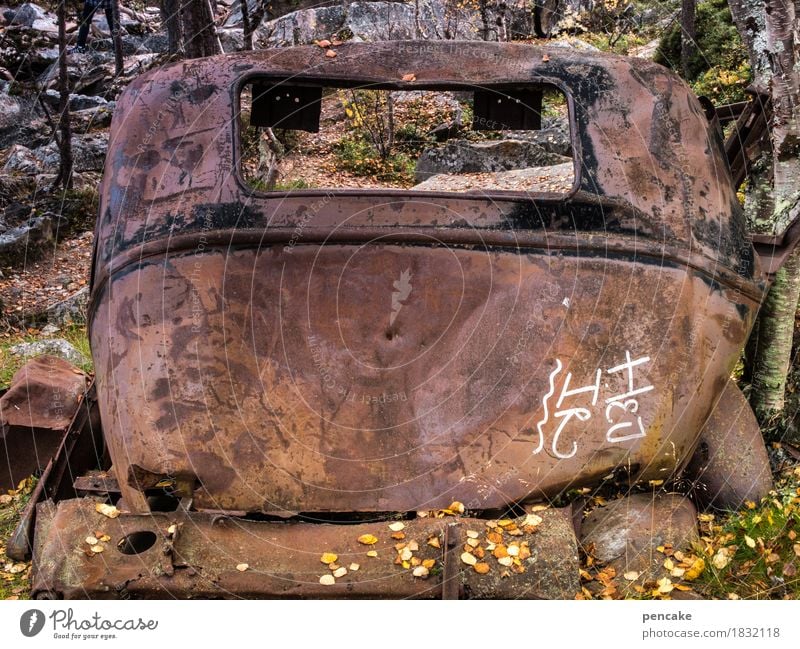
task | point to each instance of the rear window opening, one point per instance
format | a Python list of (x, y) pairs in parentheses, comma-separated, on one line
[(302, 136)]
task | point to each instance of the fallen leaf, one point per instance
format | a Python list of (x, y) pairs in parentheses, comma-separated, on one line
[(505, 561), (328, 557), (340, 572), (472, 534), (434, 542), (409, 77), (789, 569), (682, 587), (327, 580), (354, 567), (413, 546), (665, 585), (397, 526), (513, 550), (420, 571), (751, 543), (457, 507), (107, 510), (97, 548), (405, 554), (5, 499), (91, 540), (330, 54), (695, 570), (473, 543), (398, 535), (324, 43), (242, 567), (631, 575), (468, 558), (533, 520), (429, 563), (367, 539), (372, 553), (721, 559), (678, 572), (481, 568)]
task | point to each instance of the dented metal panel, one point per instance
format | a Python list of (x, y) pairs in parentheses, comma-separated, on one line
[(395, 351)]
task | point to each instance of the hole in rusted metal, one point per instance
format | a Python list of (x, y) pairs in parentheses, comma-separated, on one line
[(137, 542), (163, 503)]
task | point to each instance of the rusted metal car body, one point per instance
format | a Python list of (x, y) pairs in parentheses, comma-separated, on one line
[(259, 355)]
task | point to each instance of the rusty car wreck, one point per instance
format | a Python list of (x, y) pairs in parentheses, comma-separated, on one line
[(286, 374)]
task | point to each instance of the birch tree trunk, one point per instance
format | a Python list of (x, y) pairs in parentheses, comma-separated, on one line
[(770, 31)]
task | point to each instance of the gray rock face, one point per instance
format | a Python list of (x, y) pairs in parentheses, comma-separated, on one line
[(70, 311), (552, 179), (32, 16), (26, 240), (461, 156), (88, 154), (377, 21), (10, 116), (76, 102), (52, 347)]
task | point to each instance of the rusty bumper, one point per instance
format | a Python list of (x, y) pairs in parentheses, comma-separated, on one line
[(181, 554)]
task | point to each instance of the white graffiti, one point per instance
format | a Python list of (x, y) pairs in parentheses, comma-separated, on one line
[(624, 405)]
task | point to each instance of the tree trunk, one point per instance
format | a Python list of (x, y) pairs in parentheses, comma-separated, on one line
[(64, 176), (247, 30), (774, 342), (171, 18), (688, 35), (116, 38), (770, 31)]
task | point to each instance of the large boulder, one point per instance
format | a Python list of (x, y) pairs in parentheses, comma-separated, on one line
[(52, 347), (33, 17), (27, 240), (461, 156)]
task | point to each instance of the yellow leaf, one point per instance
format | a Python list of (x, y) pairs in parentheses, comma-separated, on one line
[(397, 526), (665, 585), (695, 570), (721, 559), (327, 580), (367, 539), (468, 558), (328, 557), (750, 542), (372, 553), (242, 567), (107, 510)]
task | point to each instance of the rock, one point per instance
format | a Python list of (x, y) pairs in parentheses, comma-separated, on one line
[(231, 39), (20, 159), (70, 311), (15, 213), (730, 465), (76, 102), (10, 116), (626, 533), (27, 240), (301, 27), (553, 138), (31, 16), (88, 154), (461, 156), (52, 347), (556, 178)]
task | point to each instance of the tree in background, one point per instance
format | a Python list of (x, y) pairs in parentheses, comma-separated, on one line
[(769, 29), (190, 28), (64, 176)]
